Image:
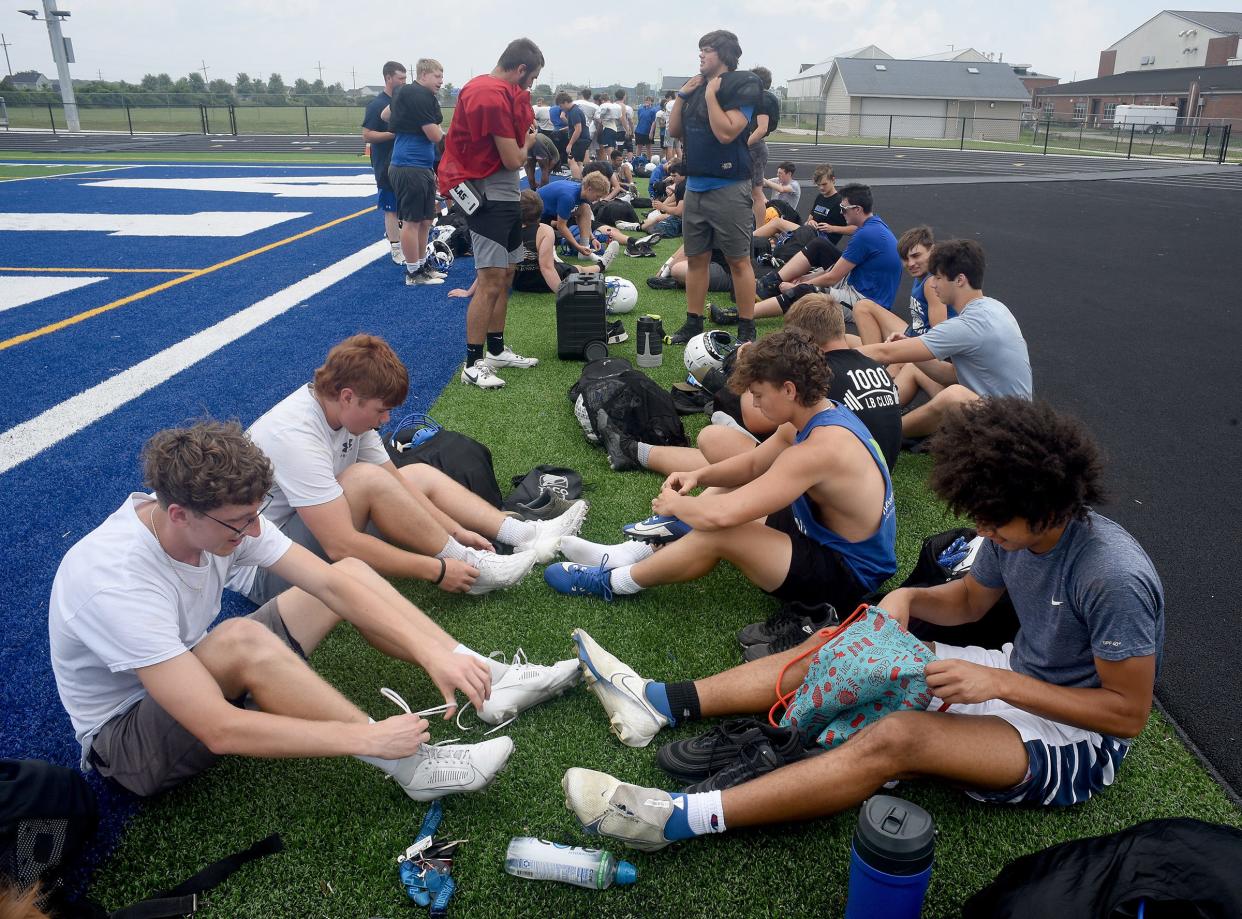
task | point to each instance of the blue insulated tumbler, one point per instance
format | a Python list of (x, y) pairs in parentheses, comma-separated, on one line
[(890, 860)]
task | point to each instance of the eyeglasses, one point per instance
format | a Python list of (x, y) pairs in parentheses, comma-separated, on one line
[(851, 207), (241, 531)]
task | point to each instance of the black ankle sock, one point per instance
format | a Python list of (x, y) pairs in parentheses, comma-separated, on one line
[(474, 354), (683, 701), (495, 342), (694, 321)]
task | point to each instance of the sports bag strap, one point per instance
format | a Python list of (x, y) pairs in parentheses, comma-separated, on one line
[(183, 899)]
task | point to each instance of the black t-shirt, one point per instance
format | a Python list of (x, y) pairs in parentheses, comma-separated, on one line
[(865, 387), (575, 116), (770, 105), (413, 106), (827, 209)]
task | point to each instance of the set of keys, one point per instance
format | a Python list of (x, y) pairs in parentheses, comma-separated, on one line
[(426, 866)]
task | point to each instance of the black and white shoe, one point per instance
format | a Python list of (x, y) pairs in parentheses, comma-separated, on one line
[(698, 758), (752, 761), (617, 333), (621, 448), (793, 615), (690, 328), (662, 283), (722, 315)]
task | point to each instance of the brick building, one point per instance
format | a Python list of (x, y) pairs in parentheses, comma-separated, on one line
[(1197, 92)]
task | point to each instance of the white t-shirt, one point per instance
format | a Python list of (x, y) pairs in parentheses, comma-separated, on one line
[(118, 603), (543, 118), (609, 115), (629, 113), (308, 454)]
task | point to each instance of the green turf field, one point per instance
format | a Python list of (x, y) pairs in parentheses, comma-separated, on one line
[(343, 825), (13, 171)]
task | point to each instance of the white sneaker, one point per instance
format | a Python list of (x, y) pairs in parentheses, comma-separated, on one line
[(497, 571), (549, 533), (435, 771), (420, 277), (627, 225), (608, 807), (524, 685), (397, 256), (610, 253), (510, 358), (620, 690), (481, 375)]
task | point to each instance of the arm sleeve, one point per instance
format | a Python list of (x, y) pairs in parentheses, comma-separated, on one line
[(371, 119), (859, 248), (303, 470), (1120, 602), (371, 449)]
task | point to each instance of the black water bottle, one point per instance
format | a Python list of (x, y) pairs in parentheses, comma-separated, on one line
[(649, 341)]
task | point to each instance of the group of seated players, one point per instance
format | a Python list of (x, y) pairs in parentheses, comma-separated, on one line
[(307, 515)]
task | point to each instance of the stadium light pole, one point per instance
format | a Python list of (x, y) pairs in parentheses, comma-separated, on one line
[(61, 53)]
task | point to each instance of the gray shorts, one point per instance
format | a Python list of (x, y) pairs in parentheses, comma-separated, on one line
[(758, 163), (146, 751), (496, 234), (268, 585), (719, 219)]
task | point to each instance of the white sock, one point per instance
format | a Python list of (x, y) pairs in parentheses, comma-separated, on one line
[(386, 766), (412, 267), (644, 454), (701, 808), (454, 549), (514, 532), (497, 668), (584, 552), (622, 583)]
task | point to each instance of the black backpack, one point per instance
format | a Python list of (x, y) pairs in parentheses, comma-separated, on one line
[(631, 400), (558, 479), (48, 815), (998, 626), (459, 242), (461, 458)]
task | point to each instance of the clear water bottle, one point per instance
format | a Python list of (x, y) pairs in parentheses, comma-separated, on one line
[(540, 860)]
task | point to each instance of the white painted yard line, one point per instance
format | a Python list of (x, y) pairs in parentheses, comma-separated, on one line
[(59, 175), (18, 290), (30, 438)]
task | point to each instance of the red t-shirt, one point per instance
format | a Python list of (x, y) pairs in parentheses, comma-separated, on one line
[(485, 106)]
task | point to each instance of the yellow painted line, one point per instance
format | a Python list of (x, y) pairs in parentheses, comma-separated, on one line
[(142, 294), (103, 270)]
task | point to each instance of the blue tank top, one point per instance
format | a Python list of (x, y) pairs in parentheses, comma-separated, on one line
[(874, 559)]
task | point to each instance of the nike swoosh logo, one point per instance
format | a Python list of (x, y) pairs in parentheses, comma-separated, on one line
[(1057, 602), (644, 527)]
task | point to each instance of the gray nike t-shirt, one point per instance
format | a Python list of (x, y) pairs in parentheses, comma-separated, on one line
[(987, 349), (1094, 594)]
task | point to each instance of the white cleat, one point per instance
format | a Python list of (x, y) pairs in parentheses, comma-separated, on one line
[(510, 358), (548, 533), (498, 571), (481, 375), (621, 691), (524, 685), (607, 807)]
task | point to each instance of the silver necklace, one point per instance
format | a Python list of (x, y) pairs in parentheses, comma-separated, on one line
[(168, 559)]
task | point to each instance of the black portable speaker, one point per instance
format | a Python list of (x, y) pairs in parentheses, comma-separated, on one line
[(581, 326)]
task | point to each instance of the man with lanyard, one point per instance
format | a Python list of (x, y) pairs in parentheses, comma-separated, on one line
[(488, 141), (807, 516), (711, 114), (376, 134)]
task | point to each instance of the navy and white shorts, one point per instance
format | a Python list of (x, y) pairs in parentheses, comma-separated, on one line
[(1065, 764)]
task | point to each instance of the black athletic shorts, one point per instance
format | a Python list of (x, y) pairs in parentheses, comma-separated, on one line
[(608, 137), (532, 282), (642, 139), (817, 574), (579, 152), (415, 188)]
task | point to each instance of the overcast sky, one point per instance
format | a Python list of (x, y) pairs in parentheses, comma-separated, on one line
[(582, 42)]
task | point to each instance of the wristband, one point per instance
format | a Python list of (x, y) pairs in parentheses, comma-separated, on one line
[(681, 95), (443, 571)]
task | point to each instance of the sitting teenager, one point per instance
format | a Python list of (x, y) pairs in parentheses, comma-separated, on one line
[(541, 270), (825, 221), (156, 695), (738, 424), (926, 308), (868, 269), (1047, 720), (665, 216), (979, 352), (337, 493), (806, 516), (567, 202)]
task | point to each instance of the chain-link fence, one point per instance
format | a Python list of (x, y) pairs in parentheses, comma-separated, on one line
[(1204, 139)]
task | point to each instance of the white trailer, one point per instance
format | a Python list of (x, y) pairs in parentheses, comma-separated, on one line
[(1150, 119)]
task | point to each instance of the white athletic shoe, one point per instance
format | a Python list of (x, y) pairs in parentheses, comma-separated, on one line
[(608, 807), (497, 571), (510, 358), (524, 685), (610, 253), (435, 771), (420, 278), (397, 256), (620, 690), (549, 533), (481, 375), (627, 225)]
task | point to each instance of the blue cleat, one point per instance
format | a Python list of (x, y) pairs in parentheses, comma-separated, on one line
[(580, 580), (657, 529)]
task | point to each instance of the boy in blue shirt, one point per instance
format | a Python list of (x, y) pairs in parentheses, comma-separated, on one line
[(566, 200), (578, 139), (868, 269), (876, 324), (646, 123), (415, 117)]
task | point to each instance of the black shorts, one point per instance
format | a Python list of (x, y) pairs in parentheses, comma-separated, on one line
[(608, 137), (415, 188), (821, 253), (642, 139), (817, 574), (580, 149), (532, 282)]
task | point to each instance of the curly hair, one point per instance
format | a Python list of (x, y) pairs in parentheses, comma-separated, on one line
[(1002, 458), (786, 356), (206, 465)]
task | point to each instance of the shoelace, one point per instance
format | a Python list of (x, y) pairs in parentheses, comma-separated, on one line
[(518, 660), (393, 696), (583, 575)]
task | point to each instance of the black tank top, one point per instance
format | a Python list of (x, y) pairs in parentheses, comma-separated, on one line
[(529, 265)]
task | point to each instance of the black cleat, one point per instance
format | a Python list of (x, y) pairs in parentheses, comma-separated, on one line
[(691, 327), (790, 616), (722, 315), (621, 448)]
